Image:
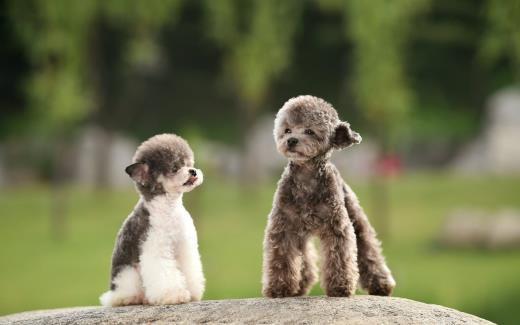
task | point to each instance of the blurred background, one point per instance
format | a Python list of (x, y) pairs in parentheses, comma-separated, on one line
[(432, 86)]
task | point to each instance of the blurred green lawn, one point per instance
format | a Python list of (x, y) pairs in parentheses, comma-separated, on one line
[(41, 272)]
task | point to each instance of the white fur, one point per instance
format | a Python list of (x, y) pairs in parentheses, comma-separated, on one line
[(129, 289), (174, 184), (170, 261), (170, 269)]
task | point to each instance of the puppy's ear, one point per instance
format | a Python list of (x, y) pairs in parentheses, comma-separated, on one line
[(344, 137), (138, 172)]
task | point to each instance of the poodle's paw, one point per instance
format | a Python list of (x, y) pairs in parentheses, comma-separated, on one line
[(281, 290), (114, 299), (341, 291), (382, 285), (303, 291), (171, 297), (306, 283), (196, 291), (196, 296)]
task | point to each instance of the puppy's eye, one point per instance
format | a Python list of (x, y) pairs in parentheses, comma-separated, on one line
[(287, 131), (174, 170), (309, 132)]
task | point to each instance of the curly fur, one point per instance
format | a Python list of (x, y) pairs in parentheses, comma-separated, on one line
[(313, 200)]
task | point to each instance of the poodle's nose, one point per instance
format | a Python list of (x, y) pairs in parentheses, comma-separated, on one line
[(291, 142), (192, 172)]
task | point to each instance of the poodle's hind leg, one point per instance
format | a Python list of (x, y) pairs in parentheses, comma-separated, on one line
[(339, 270), (309, 270), (375, 276), (126, 289), (282, 260)]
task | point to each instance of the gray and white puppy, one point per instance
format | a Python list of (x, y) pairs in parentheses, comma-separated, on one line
[(156, 259), (312, 199)]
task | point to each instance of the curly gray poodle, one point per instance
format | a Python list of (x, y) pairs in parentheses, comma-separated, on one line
[(312, 199)]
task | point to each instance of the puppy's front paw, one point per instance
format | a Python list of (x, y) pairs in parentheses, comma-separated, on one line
[(341, 291), (382, 286), (171, 297), (280, 290), (196, 295)]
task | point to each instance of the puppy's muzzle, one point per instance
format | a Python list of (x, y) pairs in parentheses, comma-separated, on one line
[(291, 142), (192, 179)]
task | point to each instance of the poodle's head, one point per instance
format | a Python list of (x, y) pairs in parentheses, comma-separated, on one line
[(164, 164), (308, 126)]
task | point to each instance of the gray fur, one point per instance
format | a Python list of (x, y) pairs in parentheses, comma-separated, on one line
[(162, 154), (129, 240), (313, 200)]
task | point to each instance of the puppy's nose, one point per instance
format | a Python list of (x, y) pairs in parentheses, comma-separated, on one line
[(291, 142), (192, 172)]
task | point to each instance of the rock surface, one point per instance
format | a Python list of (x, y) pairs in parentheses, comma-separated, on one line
[(308, 310)]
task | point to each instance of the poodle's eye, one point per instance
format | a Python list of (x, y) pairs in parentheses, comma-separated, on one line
[(309, 132), (287, 131), (174, 170)]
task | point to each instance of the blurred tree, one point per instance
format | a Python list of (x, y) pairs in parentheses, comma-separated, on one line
[(60, 37), (502, 37), (380, 31), (258, 43), (257, 37), (14, 66), (448, 83), (130, 66), (53, 34)]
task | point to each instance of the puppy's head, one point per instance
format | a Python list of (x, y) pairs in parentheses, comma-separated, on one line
[(164, 164), (308, 126)]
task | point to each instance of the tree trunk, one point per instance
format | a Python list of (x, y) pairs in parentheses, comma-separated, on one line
[(59, 198)]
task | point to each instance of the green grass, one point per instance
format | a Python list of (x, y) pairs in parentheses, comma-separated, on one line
[(39, 271)]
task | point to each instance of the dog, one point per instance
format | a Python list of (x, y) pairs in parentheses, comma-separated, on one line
[(156, 259), (312, 199)]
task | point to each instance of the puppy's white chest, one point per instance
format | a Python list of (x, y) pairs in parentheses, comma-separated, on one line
[(167, 223)]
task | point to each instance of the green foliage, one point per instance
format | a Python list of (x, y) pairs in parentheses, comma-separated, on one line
[(258, 53), (502, 38), (53, 33), (143, 20), (379, 31), (253, 42), (56, 35)]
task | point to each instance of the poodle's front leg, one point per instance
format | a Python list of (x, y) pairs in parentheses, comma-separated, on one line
[(163, 283), (282, 259), (340, 269), (191, 265)]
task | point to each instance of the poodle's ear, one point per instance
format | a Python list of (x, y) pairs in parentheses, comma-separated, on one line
[(344, 137), (138, 172)]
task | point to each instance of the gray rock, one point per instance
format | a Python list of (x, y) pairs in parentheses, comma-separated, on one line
[(496, 149), (308, 310), (477, 229)]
